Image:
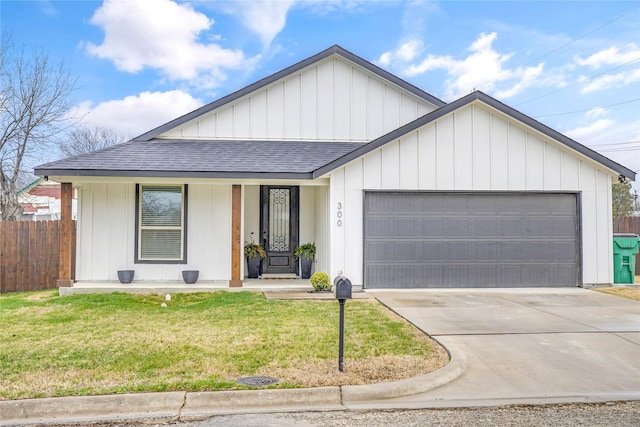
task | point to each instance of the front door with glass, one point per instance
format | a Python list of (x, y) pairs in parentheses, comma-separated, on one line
[(279, 228)]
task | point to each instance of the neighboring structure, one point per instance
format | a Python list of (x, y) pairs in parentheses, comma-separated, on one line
[(395, 187), (40, 200)]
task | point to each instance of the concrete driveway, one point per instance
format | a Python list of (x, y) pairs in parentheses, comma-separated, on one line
[(526, 345)]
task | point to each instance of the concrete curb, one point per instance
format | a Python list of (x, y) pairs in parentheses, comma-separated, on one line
[(84, 408), (185, 405), (410, 386), (229, 402)]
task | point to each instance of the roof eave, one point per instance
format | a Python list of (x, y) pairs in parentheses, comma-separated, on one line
[(173, 174)]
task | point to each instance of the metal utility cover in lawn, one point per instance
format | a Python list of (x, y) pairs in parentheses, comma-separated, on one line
[(257, 381), (471, 239)]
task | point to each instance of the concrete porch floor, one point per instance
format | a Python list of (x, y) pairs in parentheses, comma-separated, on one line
[(271, 285)]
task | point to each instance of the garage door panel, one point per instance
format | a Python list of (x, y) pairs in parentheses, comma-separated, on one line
[(471, 240)]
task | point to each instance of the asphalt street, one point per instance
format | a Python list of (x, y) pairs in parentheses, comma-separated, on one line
[(620, 414)]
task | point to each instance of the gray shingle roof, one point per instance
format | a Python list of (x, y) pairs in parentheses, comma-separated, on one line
[(203, 159)]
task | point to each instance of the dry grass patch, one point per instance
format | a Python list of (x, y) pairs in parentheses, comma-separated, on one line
[(624, 292), (119, 343), (316, 373)]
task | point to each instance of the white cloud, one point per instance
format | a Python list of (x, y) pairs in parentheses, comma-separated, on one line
[(406, 52), (481, 69), (265, 18), (527, 77), (608, 81), (135, 115), (596, 112), (591, 134), (611, 56), (385, 59), (409, 50), (606, 136), (161, 34)]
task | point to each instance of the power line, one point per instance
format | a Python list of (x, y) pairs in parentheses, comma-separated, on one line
[(615, 143), (571, 42), (580, 82), (618, 150), (588, 109), (585, 34)]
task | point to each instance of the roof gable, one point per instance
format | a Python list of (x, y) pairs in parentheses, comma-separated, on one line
[(476, 96), (333, 95)]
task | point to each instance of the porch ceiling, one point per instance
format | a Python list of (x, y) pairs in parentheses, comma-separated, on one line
[(204, 159)]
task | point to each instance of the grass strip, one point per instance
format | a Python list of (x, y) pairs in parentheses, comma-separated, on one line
[(622, 292)]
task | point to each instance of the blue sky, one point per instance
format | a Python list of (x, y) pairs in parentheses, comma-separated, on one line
[(573, 65)]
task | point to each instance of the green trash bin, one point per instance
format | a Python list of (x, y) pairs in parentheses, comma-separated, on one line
[(625, 248)]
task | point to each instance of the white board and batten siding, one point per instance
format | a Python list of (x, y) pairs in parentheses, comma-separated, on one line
[(475, 148), (106, 231), (332, 100)]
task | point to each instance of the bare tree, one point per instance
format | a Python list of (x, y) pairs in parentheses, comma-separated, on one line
[(85, 140), (34, 106)]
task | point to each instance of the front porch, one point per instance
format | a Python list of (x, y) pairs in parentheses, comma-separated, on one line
[(221, 217)]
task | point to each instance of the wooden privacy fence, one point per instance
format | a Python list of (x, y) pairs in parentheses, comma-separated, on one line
[(628, 224), (30, 255)]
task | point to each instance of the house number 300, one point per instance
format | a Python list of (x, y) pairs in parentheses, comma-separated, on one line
[(339, 215)]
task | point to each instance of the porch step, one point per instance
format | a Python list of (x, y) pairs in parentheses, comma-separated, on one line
[(285, 276)]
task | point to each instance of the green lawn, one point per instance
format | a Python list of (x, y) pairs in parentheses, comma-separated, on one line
[(118, 343)]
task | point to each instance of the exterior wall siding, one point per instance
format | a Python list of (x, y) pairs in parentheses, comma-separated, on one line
[(476, 149), (106, 224), (331, 100), (322, 227)]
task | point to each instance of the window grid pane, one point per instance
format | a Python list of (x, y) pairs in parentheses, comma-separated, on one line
[(279, 219), (161, 244), (161, 206)]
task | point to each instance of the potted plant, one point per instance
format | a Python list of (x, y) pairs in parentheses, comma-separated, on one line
[(307, 253), (254, 254)]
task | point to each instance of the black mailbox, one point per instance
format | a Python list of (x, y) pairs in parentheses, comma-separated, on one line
[(342, 287)]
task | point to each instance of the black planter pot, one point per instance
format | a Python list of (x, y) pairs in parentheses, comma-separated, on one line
[(126, 276), (190, 276), (305, 266), (254, 267)]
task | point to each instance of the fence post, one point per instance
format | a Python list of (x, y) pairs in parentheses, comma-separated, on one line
[(65, 273)]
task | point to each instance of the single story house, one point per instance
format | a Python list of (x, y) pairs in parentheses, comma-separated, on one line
[(397, 188)]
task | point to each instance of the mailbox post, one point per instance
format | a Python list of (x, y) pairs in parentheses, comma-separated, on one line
[(342, 291)]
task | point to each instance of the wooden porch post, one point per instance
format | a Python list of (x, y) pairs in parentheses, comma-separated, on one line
[(236, 246), (65, 273)]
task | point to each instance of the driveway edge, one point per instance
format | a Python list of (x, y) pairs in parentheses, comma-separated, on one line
[(420, 384)]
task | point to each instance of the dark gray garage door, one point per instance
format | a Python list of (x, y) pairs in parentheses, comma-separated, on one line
[(457, 240)]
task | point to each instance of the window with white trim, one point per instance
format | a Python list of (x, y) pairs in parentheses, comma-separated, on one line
[(161, 223)]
